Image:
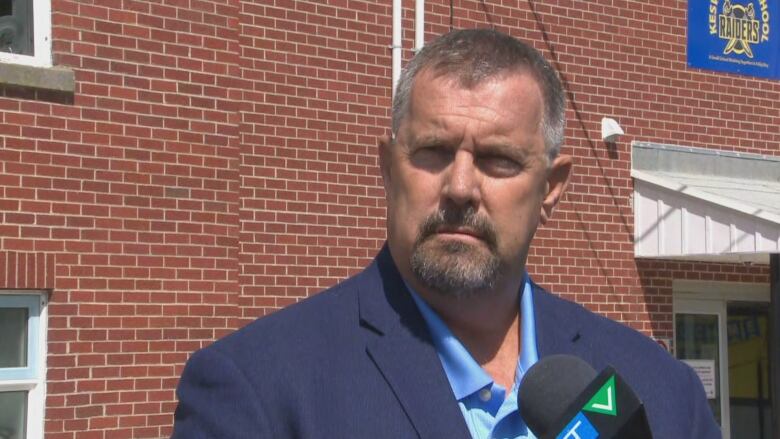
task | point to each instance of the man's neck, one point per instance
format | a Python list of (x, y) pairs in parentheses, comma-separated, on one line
[(488, 325)]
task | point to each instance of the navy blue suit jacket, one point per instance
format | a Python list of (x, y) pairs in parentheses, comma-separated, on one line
[(357, 361)]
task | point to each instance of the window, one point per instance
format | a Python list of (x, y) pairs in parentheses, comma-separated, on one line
[(25, 32), (22, 368)]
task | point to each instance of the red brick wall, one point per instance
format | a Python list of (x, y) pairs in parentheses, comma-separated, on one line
[(655, 300), (134, 185), (217, 162), (317, 99), (26, 271)]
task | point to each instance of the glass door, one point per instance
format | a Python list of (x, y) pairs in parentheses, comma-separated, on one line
[(750, 402), (700, 341)]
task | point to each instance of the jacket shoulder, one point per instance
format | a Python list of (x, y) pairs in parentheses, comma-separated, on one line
[(314, 320), (569, 322), (671, 392)]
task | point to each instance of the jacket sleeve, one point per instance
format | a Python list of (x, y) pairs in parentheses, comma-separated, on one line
[(216, 401), (703, 424)]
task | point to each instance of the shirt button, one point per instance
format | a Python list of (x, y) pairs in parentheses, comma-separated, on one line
[(485, 395)]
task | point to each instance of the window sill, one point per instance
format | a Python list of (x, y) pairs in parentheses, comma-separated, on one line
[(17, 385), (59, 79)]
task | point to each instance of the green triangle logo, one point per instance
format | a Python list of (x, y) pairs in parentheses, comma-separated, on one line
[(604, 400)]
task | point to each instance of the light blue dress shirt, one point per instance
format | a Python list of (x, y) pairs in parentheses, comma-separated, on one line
[(488, 411)]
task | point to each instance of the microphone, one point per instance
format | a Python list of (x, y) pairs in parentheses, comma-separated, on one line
[(562, 397)]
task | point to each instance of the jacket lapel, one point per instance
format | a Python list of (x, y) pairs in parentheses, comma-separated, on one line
[(559, 329), (405, 355)]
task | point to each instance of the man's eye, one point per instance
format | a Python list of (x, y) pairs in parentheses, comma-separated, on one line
[(433, 150), (499, 166), (431, 156)]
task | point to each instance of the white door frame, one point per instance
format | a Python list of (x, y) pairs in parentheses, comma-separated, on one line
[(717, 308)]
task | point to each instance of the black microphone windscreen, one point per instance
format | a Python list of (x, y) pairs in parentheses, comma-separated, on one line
[(549, 387)]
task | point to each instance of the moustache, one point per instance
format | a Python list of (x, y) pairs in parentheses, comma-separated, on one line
[(459, 218)]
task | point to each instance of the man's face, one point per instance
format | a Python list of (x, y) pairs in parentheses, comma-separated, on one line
[(467, 182)]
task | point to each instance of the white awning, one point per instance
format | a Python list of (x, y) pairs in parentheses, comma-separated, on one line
[(700, 204)]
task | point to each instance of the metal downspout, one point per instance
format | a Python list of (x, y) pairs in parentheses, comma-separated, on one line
[(396, 45), (397, 39), (419, 25)]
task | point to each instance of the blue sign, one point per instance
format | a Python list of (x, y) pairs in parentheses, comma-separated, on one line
[(737, 36), (579, 428)]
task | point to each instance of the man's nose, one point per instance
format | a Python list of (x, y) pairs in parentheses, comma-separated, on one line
[(462, 180)]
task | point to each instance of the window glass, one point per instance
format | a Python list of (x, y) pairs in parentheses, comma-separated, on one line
[(13, 415), (749, 378), (16, 27), (13, 337), (697, 340), (22, 369), (19, 337)]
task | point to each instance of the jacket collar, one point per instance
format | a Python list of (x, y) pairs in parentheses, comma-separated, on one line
[(404, 352), (405, 355)]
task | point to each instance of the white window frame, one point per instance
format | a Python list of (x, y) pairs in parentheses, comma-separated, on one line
[(42, 38), (32, 378)]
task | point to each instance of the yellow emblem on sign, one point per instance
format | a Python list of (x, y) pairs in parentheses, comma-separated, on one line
[(741, 24)]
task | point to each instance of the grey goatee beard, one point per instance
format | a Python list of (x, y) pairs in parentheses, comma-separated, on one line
[(455, 268)]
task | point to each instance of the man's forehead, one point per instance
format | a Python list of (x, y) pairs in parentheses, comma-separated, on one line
[(434, 95), (430, 85), (471, 78)]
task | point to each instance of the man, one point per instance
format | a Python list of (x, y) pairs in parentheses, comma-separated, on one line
[(432, 339)]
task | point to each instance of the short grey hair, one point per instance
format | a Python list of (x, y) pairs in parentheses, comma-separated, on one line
[(474, 55)]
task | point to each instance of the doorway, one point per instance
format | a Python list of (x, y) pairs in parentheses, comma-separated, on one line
[(725, 338)]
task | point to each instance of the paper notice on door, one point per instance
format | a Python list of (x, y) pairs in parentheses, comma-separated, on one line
[(705, 369)]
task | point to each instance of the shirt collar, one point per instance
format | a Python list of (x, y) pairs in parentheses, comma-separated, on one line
[(465, 375)]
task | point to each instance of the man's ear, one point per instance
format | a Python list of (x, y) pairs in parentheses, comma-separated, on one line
[(557, 179), (385, 143)]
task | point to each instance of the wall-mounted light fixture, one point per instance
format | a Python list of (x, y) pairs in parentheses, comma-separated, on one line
[(610, 130)]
